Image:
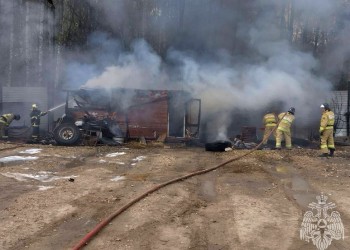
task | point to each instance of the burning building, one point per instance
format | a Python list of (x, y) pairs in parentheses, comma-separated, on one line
[(127, 114)]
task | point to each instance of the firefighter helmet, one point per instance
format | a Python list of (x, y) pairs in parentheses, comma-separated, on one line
[(291, 110), (17, 117), (325, 106), (34, 106)]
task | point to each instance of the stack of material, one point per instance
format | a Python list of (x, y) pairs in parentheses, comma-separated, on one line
[(249, 134)]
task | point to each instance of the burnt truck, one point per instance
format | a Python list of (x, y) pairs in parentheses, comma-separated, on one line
[(115, 115)]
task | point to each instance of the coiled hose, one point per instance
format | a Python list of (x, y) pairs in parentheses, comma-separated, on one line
[(106, 221)]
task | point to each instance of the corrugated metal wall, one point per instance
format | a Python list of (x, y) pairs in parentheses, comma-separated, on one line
[(339, 102), (20, 99)]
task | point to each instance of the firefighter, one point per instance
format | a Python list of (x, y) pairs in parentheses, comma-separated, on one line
[(5, 121), (270, 122), (35, 121), (283, 130), (326, 131)]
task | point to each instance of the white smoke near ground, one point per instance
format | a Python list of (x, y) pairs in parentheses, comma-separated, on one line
[(274, 72)]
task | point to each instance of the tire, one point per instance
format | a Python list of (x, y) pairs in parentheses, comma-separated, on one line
[(217, 146), (67, 134)]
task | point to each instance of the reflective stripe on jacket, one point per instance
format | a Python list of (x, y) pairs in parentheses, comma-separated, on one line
[(270, 120), (35, 117), (327, 120), (7, 118), (286, 122)]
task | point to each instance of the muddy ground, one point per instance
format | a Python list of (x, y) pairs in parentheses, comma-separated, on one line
[(57, 195)]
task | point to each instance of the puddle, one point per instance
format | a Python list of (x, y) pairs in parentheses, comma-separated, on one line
[(18, 158), (299, 184), (31, 151), (40, 176), (296, 187), (207, 190), (304, 199)]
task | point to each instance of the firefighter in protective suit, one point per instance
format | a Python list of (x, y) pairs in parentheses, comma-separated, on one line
[(326, 131), (35, 121), (283, 129), (270, 122), (5, 121)]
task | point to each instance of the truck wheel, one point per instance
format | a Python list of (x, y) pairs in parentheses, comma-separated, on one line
[(67, 134)]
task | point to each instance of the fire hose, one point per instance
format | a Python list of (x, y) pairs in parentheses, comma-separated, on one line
[(106, 221)]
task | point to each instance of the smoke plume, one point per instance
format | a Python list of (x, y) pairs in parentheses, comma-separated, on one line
[(232, 56)]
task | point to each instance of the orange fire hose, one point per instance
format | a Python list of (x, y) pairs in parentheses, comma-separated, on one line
[(106, 221)]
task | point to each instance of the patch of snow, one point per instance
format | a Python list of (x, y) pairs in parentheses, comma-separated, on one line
[(43, 177), (115, 154), (120, 163), (102, 161), (118, 178), (64, 157), (43, 188), (133, 164), (139, 158), (18, 158), (46, 172), (31, 151)]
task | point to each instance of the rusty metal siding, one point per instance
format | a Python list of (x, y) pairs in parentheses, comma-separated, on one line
[(138, 113), (149, 120), (146, 113)]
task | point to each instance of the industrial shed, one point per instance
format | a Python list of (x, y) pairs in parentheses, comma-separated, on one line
[(136, 113)]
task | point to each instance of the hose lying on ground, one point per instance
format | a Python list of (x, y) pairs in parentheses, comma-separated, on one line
[(106, 221)]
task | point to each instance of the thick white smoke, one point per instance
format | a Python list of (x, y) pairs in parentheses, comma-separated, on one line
[(273, 70), (141, 68)]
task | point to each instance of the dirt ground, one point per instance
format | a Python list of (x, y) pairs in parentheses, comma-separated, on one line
[(51, 197)]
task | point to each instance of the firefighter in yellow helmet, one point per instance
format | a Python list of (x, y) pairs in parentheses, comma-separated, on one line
[(283, 129), (326, 131), (5, 121), (270, 122), (35, 121)]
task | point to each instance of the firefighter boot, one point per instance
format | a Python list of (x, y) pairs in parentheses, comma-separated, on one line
[(331, 152)]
